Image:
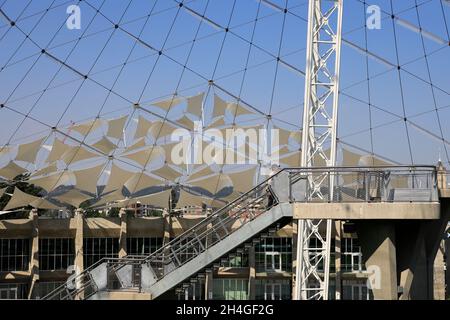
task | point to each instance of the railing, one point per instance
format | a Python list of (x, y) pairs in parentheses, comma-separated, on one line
[(365, 184), (390, 184)]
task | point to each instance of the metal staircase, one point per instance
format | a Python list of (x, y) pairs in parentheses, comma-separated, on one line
[(197, 249), (239, 225)]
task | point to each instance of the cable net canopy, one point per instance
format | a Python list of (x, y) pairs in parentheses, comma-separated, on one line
[(139, 99)]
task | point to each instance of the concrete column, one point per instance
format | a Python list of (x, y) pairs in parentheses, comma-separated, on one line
[(209, 285), (294, 256), (252, 273), (167, 227), (439, 274), (377, 240), (337, 249), (34, 261), (123, 233)]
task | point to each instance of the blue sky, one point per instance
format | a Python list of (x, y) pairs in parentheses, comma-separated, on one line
[(146, 77)]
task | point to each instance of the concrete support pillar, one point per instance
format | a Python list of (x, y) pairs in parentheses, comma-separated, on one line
[(123, 233), (209, 285), (439, 274), (294, 256), (252, 273), (337, 249), (79, 223), (167, 227), (34, 261), (377, 240)]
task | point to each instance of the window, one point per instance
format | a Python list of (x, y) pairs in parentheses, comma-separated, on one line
[(273, 290), (13, 291), (143, 246), (274, 255), (14, 254), (351, 256), (355, 290), (97, 248), (45, 288), (240, 260), (56, 254), (230, 289)]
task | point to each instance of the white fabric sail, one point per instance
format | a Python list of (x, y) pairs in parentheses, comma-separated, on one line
[(371, 160), (46, 170), (158, 200), (87, 179), (117, 178), (296, 136), (194, 105), (140, 181), (168, 103), (167, 172), (292, 160), (140, 143), (236, 110), (142, 127), (21, 199), (349, 158), (217, 122), (206, 171), (219, 106), (161, 129), (58, 149), (28, 151), (213, 184), (105, 145), (73, 197), (115, 127), (283, 135), (87, 127), (187, 199), (245, 180), (146, 156), (53, 181), (76, 154), (11, 170), (109, 198), (186, 123)]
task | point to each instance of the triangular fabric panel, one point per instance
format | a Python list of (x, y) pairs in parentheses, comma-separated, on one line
[(142, 127), (105, 145), (201, 173), (244, 180), (236, 110), (28, 152), (115, 127), (219, 106), (167, 172), (76, 154), (87, 127), (214, 184), (51, 182), (146, 156), (169, 103), (186, 123), (161, 129), (11, 170), (74, 198), (19, 199), (194, 105), (46, 170), (58, 149), (117, 178), (87, 179), (140, 143), (187, 199), (140, 181)]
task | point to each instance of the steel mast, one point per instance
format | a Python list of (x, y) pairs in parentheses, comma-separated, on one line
[(319, 142)]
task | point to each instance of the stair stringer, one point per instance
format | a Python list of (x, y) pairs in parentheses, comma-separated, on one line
[(233, 240)]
